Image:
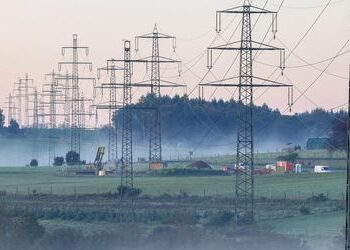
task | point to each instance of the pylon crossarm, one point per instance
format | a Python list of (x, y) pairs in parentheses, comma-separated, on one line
[(270, 83), (162, 59), (159, 35), (71, 77), (163, 83), (237, 46), (241, 9)]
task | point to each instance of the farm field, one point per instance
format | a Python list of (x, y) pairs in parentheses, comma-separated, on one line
[(280, 198), (48, 180)]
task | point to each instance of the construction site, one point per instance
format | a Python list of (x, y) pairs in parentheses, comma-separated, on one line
[(234, 136)]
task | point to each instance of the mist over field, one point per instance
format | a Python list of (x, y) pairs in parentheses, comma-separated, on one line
[(202, 127)]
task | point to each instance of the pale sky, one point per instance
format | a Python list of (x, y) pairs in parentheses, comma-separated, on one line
[(33, 31)]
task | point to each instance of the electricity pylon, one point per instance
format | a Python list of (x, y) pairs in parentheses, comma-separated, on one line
[(155, 139), (75, 91), (112, 106), (244, 186), (26, 86), (35, 109), (54, 94), (18, 96), (127, 169), (11, 108)]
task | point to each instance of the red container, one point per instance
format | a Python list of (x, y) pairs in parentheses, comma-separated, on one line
[(287, 166)]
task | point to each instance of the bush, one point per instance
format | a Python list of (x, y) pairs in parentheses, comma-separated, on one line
[(34, 163), (187, 172), (28, 229), (72, 158), (305, 210), (292, 157), (126, 191), (58, 161), (64, 238), (318, 198), (220, 219)]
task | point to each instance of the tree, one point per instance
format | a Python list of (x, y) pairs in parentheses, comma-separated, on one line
[(291, 157), (28, 229), (72, 158), (13, 127), (58, 161), (2, 119), (34, 163), (338, 134)]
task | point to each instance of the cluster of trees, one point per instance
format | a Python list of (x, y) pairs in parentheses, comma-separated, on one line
[(338, 134), (216, 121), (12, 128)]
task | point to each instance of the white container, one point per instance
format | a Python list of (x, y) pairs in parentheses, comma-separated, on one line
[(101, 173), (322, 169), (298, 168), (271, 167)]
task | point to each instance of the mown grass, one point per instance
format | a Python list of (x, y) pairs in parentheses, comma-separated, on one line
[(47, 180)]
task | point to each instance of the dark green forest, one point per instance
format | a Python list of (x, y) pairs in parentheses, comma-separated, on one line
[(196, 123), (208, 123)]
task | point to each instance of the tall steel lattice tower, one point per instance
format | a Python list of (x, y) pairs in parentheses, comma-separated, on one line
[(19, 96), (347, 223), (155, 142), (127, 178), (35, 109), (244, 185), (11, 108), (26, 87), (67, 101), (112, 126), (112, 106), (75, 92)]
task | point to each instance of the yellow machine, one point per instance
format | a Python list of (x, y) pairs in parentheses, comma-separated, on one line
[(98, 159)]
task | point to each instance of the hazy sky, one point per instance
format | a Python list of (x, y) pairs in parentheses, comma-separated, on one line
[(33, 31)]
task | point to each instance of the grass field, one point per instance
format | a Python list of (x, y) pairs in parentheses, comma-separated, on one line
[(323, 224), (47, 180)]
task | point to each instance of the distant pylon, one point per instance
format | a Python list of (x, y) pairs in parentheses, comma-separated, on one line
[(76, 113), (19, 96), (35, 109), (127, 178), (26, 85), (155, 140)]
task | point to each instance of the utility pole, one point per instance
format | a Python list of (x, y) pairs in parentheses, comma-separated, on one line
[(155, 140), (54, 95), (127, 169), (10, 108), (26, 86), (127, 149), (19, 96), (35, 109), (244, 186), (347, 222), (111, 69), (67, 102), (75, 91), (52, 92)]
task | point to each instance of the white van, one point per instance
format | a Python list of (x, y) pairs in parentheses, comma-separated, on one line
[(322, 169)]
